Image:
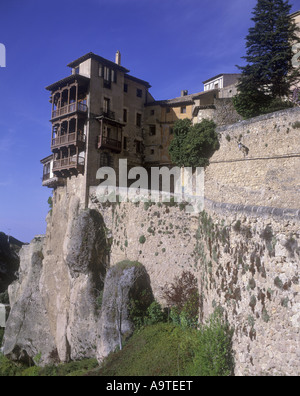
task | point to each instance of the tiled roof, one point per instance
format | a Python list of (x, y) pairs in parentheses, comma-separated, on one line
[(138, 80), (99, 59), (182, 100), (66, 80)]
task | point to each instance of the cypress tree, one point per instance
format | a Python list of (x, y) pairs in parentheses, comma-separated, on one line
[(269, 73)]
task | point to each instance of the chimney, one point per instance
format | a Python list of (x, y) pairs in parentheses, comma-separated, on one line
[(184, 93), (118, 58)]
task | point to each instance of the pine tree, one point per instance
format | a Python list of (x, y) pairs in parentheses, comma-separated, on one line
[(269, 73)]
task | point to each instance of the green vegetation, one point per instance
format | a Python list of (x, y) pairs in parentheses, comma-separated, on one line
[(142, 239), (193, 145), (50, 203), (158, 349), (269, 74), (72, 369), (166, 342)]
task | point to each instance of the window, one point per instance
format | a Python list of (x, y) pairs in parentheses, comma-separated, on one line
[(77, 70), (139, 93), (168, 110), (125, 143), (106, 105), (105, 159), (114, 76), (183, 110), (138, 146), (125, 87), (152, 151), (138, 120), (171, 131), (107, 74), (152, 112), (152, 130), (124, 115)]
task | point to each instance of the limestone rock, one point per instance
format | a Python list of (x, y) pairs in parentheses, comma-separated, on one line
[(28, 332), (124, 282)]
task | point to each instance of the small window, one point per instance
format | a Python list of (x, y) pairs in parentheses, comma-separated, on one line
[(138, 146), (139, 93), (124, 115), (152, 130), (168, 110), (183, 110), (100, 71), (138, 120), (125, 87), (77, 70), (152, 151), (152, 112), (114, 76), (125, 143), (171, 131)]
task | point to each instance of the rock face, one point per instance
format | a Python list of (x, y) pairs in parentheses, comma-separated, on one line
[(124, 282), (27, 332), (54, 303)]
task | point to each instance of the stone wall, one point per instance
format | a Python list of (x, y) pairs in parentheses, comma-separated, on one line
[(264, 170), (246, 261), (244, 250)]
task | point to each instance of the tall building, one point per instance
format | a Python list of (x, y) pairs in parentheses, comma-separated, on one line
[(97, 117)]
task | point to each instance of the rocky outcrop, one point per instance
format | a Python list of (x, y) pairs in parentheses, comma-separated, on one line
[(27, 332), (124, 282), (54, 303)]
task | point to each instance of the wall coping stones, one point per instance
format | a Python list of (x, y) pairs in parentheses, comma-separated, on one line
[(256, 211), (244, 123)]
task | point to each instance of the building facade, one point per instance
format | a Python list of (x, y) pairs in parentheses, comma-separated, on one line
[(100, 114)]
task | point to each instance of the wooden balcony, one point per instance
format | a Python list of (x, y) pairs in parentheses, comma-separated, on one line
[(67, 140), (111, 144), (74, 163), (107, 114), (69, 109)]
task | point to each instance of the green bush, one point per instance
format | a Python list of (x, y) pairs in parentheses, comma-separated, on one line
[(142, 239), (155, 314), (213, 349)]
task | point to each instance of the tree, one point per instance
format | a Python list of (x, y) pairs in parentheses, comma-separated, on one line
[(193, 145), (183, 297), (269, 73)]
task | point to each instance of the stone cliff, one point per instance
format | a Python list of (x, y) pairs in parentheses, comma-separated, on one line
[(245, 254)]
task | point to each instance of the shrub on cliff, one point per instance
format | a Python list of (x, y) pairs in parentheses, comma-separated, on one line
[(183, 298), (193, 145)]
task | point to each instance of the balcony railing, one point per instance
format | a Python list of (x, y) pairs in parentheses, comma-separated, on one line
[(71, 108), (67, 139), (108, 114), (69, 163), (111, 144)]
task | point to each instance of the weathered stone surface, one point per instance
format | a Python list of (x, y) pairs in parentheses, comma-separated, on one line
[(54, 302), (27, 332), (124, 282)]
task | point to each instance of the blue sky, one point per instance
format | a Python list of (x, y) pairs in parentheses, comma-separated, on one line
[(173, 44)]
